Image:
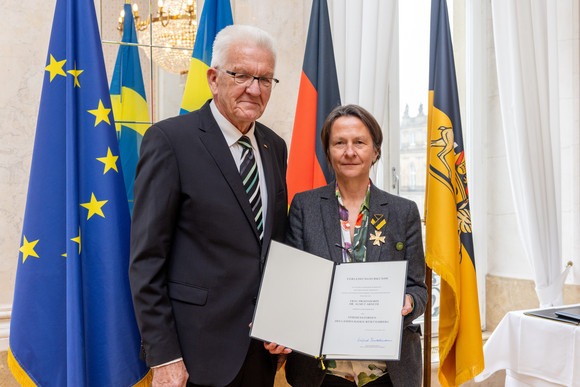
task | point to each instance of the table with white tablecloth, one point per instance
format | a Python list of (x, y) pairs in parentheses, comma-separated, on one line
[(534, 351)]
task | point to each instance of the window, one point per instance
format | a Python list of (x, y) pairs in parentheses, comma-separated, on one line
[(163, 89), (414, 36)]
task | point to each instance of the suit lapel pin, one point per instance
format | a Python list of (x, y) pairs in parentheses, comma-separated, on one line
[(376, 238), (378, 221), (399, 246), (265, 146)]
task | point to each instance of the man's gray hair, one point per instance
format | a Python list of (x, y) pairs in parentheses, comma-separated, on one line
[(240, 34)]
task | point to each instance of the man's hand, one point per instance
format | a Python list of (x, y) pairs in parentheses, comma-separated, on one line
[(170, 375)]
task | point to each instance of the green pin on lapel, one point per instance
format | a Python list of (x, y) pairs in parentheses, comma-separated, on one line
[(399, 246)]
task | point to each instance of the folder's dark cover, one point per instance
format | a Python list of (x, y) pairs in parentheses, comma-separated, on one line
[(553, 314)]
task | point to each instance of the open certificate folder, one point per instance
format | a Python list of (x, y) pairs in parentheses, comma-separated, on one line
[(316, 307)]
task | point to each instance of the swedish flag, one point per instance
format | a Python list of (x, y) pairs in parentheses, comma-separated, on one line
[(129, 102), (216, 15), (449, 242), (72, 320)]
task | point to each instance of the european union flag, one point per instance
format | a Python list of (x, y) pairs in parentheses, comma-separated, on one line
[(129, 102), (72, 319), (216, 15)]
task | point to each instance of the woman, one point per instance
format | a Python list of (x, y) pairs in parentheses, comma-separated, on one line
[(351, 220)]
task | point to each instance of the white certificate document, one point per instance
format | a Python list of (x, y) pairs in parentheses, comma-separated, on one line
[(293, 299), (364, 316), (316, 307)]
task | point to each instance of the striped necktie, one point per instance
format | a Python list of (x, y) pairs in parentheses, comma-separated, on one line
[(250, 178)]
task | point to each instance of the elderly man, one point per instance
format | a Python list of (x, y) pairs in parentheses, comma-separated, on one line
[(210, 194)]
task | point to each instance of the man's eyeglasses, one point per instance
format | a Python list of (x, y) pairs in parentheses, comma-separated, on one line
[(247, 79)]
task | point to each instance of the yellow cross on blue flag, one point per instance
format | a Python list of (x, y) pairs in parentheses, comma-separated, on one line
[(129, 102), (216, 15), (72, 320), (448, 238)]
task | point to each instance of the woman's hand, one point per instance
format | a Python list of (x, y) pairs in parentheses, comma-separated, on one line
[(276, 349), (408, 307), (279, 350)]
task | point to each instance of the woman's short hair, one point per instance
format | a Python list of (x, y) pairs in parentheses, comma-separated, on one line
[(352, 111), (238, 34)]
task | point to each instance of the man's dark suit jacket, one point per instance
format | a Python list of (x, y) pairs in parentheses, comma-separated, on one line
[(196, 258), (315, 227)]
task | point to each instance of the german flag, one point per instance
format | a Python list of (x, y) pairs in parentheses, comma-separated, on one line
[(317, 96), (449, 243)]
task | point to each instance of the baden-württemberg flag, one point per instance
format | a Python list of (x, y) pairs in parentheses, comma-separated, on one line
[(317, 96), (216, 15), (129, 102), (449, 243), (72, 320)]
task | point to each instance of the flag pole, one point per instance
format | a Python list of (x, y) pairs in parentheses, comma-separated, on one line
[(427, 333)]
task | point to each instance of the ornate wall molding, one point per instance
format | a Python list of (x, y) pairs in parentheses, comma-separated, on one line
[(5, 313)]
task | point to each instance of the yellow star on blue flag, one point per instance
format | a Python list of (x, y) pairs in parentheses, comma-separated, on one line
[(94, 206), (101, 113), (72, 320), (109, 160), (75, 73), (27, 249), (55, 68)]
